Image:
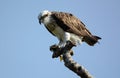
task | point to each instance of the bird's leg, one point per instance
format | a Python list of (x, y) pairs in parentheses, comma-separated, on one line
[(66, 39), (61, 44)]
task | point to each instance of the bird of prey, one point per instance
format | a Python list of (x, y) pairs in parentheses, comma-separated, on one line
[(66, 27)]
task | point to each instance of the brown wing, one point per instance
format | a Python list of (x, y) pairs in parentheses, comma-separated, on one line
[(70, 23)]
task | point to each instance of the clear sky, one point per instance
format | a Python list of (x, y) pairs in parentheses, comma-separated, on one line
[(24, 44)]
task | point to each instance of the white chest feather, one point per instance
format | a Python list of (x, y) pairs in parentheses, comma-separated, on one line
[(52, 26), (57, 31)]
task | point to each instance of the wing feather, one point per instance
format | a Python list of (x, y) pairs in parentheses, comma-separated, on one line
[(70, 23)]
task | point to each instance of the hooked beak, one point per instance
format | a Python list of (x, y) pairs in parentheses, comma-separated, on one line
[(40, 20)]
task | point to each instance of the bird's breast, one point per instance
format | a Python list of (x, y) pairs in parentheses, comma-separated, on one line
[(56, 30), (51, 27)]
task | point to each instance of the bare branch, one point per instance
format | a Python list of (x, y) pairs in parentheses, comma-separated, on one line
[(68, 61)]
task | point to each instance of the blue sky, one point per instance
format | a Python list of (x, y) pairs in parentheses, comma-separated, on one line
[(24, 44)]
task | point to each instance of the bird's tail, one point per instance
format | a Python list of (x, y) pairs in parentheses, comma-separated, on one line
[(91, 40)]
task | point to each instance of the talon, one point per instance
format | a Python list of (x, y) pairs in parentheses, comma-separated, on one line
[(70, 43)]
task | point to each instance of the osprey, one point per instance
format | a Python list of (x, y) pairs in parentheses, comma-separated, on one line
[(66, 27)]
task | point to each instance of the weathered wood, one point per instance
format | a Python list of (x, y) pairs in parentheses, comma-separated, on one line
[(67, 53)]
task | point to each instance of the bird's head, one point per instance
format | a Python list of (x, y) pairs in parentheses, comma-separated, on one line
[(43, 15)]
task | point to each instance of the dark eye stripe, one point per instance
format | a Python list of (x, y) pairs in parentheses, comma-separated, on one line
[(44, 16)]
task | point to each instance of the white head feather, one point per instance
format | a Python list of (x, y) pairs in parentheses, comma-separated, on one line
[(43, 13)]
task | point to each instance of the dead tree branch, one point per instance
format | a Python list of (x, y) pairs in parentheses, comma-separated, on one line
[(67, 53)]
